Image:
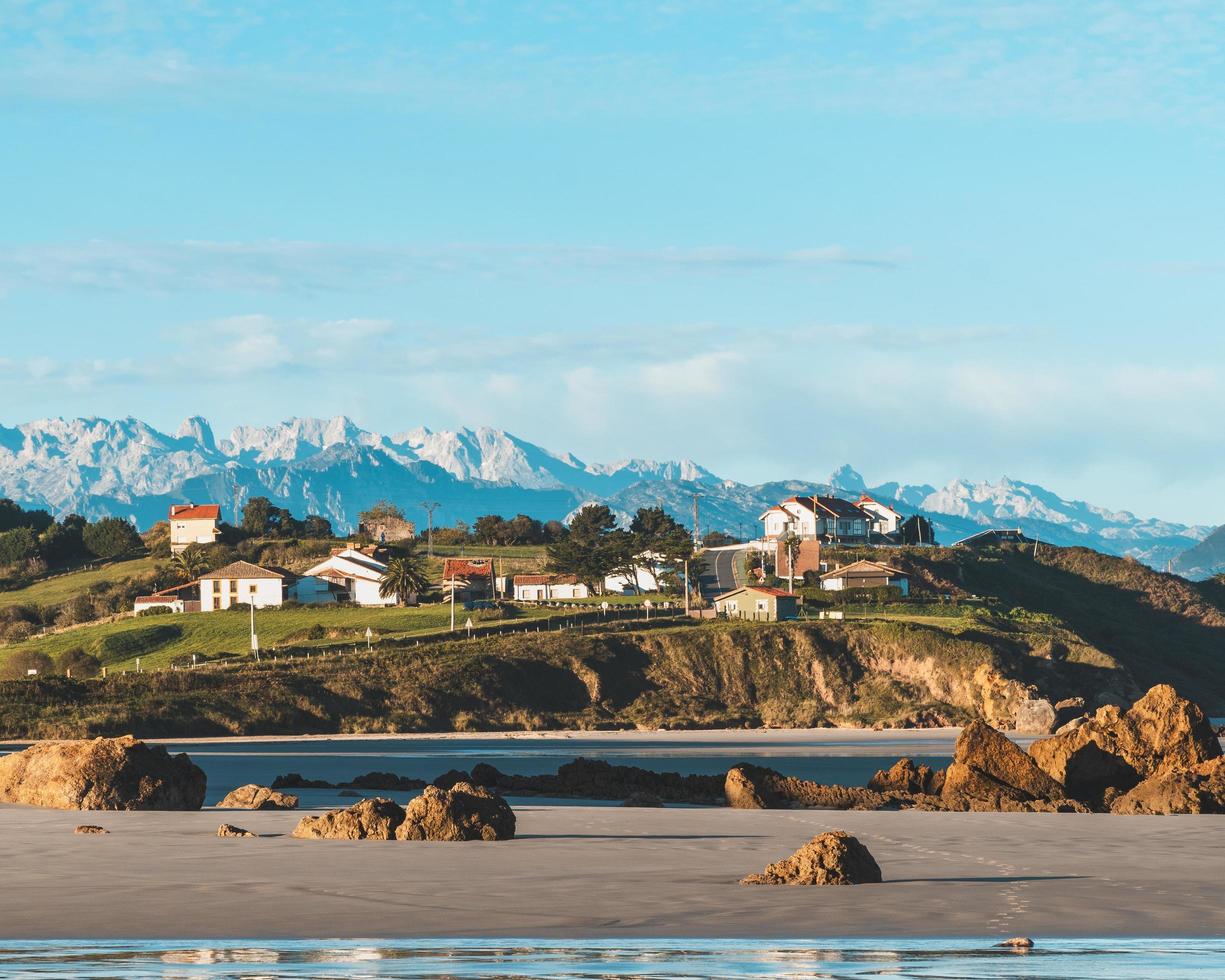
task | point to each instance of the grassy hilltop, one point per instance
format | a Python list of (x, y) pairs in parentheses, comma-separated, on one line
[(1070, 623)]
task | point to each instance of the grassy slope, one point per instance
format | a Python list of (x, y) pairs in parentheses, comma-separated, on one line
[(58, 589)]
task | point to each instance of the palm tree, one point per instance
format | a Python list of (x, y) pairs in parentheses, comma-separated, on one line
[(404, 577), (190, 563)]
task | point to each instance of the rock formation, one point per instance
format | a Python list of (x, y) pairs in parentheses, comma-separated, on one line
[(833, 858), (990, 772), (598, 780), (373, 819), (102, 774), (1035, 716), (1114, 750), (1200, 789), (256, 797), (90, 828), (748, 787), (906, 777), (464, 812), (229, 830), (451, 778)]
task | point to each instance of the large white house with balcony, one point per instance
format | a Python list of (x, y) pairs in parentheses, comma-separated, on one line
[(822, 518)]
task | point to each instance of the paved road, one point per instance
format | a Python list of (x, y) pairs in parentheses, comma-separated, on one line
[(719, 574)]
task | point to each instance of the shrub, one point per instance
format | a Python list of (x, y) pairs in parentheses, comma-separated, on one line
[(109, 537), (77, 663), (155, 611), (134, 642), (20, 662)]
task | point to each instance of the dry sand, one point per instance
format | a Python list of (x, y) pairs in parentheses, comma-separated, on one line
[(610, 872)]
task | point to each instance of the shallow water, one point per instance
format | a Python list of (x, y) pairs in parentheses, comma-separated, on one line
[(1129, 959), (850, 761)]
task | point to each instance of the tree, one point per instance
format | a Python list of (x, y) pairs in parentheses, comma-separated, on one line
[(523, 530), (717, 539), (77, 663), (17, 546), (490, 529), (589, 551), (109, 537), (190, 563), (317, 526), (381, 511), (405, 576), (554, 531), (257, 516), (157, 539), (660, 543)]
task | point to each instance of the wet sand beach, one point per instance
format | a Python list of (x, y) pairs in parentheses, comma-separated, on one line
[(579, 871)]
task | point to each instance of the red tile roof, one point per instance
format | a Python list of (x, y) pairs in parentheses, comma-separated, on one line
[(546, 580), (242, 569), (467, 568), (195, 512)]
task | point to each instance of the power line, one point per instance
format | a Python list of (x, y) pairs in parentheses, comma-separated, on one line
[(430, 506)]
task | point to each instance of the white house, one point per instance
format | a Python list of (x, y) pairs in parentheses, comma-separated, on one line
[(885, 520), (828, 518), (193, 524), (865, 575), (548, 588), (357, 573), (241, 583), (643, 580), (311, 590)]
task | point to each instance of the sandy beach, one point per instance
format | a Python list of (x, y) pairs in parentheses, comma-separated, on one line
[(609, 872)]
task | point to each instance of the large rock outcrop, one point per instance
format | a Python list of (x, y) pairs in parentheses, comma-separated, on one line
[(1197, 790), (1115, 750), (833, 858), (989, 772), (463, 812), (373, 819), (256, 797), (102, 774)]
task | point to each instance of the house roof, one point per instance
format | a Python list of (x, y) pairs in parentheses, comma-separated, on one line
[(467, 568), (761, 589), (546, 580), (195, 512), (838, 507), (864, 565), (994, 534), (865, 499), (242, 569)]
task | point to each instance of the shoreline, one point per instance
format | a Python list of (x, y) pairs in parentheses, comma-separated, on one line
[(749, 736), (608, 873)]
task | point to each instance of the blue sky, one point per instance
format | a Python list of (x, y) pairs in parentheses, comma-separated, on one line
[(929, 239)]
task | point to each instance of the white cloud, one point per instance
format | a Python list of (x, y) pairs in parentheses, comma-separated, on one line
[(295, 266)]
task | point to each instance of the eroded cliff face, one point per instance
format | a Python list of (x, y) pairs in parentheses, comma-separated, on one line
[(853, 674), (861, 673)]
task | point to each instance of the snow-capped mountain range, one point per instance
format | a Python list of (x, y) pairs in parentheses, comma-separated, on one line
[(333, 467)]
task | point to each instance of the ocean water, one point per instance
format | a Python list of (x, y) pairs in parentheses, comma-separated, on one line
[(951, 959), (851, 760)]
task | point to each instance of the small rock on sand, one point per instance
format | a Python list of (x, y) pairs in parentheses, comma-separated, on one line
[(229, 830), (833, 858), (90, 828), (1016, 942)]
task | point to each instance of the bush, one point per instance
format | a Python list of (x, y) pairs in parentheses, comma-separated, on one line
[(155, 611), (110, 537), (135, 642), (77, 663), (20, 662), (17, 631)]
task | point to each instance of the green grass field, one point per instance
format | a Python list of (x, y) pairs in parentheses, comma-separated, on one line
[(60, 588), (161, 640)]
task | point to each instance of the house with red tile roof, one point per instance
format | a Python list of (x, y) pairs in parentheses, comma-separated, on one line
[(193, 524), (549, 588), (468, 578)]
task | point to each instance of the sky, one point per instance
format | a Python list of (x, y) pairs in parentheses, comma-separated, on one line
[(929, 239)]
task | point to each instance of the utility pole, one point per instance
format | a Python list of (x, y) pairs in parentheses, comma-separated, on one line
[(430, 506), (697, 531)]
